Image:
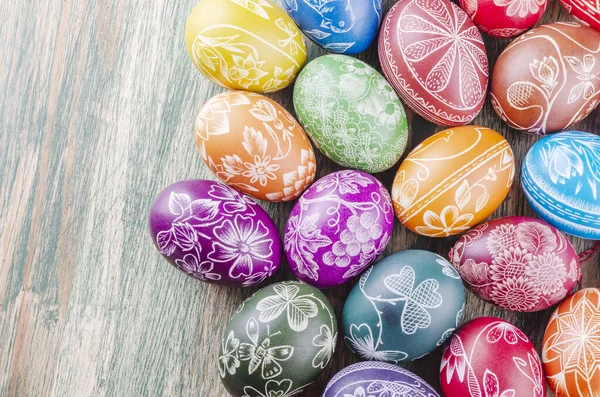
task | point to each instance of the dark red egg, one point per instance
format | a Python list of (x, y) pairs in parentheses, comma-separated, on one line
[(491, 357)]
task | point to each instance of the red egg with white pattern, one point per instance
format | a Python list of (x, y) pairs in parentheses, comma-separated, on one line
[(491, 357), (586, 11), (433, 55), (504, 18)]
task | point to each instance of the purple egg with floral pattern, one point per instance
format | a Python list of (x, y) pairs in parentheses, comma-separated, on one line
[(339, 226), (518, 263), (376, 379), (213, 233)]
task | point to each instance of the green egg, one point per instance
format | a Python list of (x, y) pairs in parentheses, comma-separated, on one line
[(278, 342), (351, 113)]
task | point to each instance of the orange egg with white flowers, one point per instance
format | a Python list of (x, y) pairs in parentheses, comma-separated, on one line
[(453, 180), (255, 145)]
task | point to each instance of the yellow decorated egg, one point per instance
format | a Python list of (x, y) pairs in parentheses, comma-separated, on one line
[(453, 181), (245, 44), (254, 145)]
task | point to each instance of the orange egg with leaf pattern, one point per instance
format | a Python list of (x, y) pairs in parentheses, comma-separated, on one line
[(254, 145), (453, 181)]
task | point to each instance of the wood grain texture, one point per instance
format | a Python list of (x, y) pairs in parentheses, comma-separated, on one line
[(97, 110)]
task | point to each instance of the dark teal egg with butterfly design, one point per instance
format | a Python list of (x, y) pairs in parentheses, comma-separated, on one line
[(403, 307), (278, 342)]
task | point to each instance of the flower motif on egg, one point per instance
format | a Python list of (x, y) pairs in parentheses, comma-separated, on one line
[(448, 222), (453, 180), (492, 358), (338, 99), (570, 349), (521, 7), (434, 57), (339, 226), (545, 94), (253, 144), (525, 265), (202, 271), (561, 180), (229, 49), (243, 243)]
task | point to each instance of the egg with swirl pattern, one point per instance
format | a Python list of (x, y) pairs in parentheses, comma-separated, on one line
[(548, 79), (248, 45), (453, 180)]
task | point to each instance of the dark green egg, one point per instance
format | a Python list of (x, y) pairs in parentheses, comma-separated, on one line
[(278, 342), (403, 307)]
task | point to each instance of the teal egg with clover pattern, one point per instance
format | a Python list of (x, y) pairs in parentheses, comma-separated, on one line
[(278, 342), (351, 113), (403, 307)]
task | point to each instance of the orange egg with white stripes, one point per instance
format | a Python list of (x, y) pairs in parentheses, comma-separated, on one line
[(453, 180)]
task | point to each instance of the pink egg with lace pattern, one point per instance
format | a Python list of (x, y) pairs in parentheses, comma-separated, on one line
[(518, 263), (491, 357)]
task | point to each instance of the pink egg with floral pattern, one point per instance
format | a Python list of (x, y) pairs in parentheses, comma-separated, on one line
[(518, 263), (433, 55), (504, 18), (491, 357)]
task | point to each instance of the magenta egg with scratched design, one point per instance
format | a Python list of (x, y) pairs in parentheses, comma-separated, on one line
[(339, 227), (214, 233), (491, 357)]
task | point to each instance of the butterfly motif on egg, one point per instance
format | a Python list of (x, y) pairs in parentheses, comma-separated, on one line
[(262, 354)]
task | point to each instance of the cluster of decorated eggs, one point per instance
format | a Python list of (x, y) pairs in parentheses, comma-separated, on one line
[(408, 304)]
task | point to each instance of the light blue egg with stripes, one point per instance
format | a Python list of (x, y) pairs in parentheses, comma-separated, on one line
[(339, 26), (561, 180)]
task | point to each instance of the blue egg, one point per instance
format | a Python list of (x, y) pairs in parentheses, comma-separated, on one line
[(403, 307), (561, 180), (340, 26)]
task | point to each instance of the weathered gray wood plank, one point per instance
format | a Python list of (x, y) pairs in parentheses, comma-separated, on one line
[(96, 117)]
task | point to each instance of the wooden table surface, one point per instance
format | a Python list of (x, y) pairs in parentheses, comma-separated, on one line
[(96, 117)]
